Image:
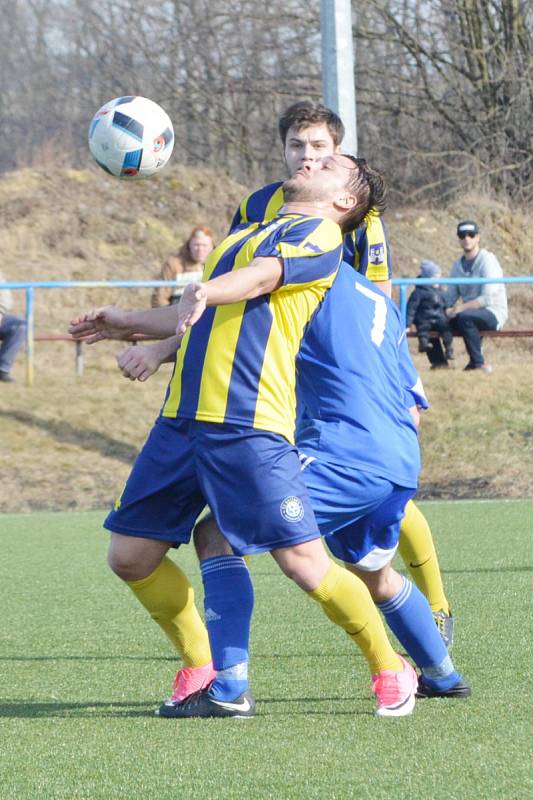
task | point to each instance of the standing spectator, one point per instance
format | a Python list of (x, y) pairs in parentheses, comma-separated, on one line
[(190, 258), (426, 311), (475, 307), (12, 333)]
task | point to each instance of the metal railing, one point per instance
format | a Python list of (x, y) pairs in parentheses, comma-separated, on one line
[(182, 280), (404, 283), (30, 287)]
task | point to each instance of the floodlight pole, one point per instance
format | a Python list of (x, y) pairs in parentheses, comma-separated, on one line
[(338, 84)]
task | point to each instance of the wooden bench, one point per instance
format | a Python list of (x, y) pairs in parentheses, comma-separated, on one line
[(511, 334), (78, 363)]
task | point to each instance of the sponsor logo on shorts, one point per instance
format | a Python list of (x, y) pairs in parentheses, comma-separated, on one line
[(376, 253), (292, 509)]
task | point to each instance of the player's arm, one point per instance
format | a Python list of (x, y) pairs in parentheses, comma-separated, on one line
[(263, 276), (385, 286), (413, 387), (112, 322), (139, 362), (372, 256), (415, 413)]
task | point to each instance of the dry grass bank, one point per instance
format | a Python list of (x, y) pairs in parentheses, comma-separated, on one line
[(69, 442)]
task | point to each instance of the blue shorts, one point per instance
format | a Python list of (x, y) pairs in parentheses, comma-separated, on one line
[(358, 513), (250, 479)]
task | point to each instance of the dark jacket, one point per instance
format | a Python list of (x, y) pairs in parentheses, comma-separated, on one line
[(426, 304)]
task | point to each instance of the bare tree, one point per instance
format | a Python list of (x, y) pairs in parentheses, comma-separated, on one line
[(455, 79), (444, 87)]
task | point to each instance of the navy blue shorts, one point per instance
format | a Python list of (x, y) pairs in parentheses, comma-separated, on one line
[(250, 479), (358, 513)]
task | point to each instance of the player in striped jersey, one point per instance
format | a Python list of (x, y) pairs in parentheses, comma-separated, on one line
[(309, 131), (360, 461), (224, 436)]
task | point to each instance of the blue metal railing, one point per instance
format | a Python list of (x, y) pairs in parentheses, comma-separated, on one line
[(30, 286), (404, 283), (182, 280)]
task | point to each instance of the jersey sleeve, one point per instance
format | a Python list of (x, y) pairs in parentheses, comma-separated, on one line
[(259, 206), (310, 248), (239, 218), (368, 249)]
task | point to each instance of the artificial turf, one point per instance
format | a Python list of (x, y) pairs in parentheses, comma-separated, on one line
[(83, 668)]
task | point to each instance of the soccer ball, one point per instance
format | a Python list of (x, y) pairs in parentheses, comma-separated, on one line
[(131, 137)]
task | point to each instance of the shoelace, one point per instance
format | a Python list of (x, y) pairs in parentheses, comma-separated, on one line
[(387, 688), (193, 699)]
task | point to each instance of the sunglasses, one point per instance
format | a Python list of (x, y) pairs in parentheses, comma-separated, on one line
[(467, 235)]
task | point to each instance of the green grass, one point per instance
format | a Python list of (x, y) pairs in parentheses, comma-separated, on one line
[(83, 669)]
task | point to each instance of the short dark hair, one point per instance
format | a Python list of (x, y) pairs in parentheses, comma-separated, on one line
[(369, 186), (306, 113)]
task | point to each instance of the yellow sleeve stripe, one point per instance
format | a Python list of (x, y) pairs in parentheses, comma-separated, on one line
[(375, 235)]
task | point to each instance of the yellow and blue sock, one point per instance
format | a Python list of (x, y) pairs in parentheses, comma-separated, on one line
[(229, 603), (409, 617)]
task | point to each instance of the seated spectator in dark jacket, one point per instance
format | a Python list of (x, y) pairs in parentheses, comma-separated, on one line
[(426, 311), (12, 333)]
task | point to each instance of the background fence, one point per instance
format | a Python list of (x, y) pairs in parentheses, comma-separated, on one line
[(402, 284)]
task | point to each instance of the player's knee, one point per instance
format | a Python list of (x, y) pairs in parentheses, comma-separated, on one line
[(208, 541), (382, 583), (306, 564), (127, 559), (123, 564)]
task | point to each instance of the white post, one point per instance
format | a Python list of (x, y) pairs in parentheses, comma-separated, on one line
[(338, 84)]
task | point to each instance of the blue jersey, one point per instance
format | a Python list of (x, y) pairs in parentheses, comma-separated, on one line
[(355, 383)]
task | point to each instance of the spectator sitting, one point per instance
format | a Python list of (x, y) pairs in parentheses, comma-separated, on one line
[(190, 258), (474, 307), (12, 333), (426, 311)]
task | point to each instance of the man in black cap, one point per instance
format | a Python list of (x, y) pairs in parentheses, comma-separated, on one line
[(474, 307)]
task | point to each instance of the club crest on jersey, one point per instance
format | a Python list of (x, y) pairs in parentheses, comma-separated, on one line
[(376, 253), (292, 509)]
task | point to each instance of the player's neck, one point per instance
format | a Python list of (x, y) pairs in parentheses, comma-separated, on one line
[(309, 209)]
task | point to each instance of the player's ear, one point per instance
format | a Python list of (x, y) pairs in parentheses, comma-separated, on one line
[(346, 201)]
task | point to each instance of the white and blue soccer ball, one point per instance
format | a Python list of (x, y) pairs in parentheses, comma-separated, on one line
[(131, 137)]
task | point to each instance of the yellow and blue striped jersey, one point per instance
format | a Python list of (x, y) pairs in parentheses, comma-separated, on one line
[(237, 363), (366, 249)]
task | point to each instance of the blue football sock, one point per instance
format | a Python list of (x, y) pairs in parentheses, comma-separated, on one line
[(409, 617), (228, 603)]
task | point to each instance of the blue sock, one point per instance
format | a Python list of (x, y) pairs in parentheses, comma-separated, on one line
[(228, 603), (409, 617)]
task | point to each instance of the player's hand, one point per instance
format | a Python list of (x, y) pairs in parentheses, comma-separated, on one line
[(191, 306), (139, 363), (451, 312), (108, 322)]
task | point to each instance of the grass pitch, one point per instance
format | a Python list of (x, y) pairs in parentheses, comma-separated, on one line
[(84, 667)]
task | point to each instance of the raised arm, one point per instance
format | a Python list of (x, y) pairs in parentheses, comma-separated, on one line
[(262, 276)]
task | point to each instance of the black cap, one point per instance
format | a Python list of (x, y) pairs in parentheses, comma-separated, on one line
[(467, 227)]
